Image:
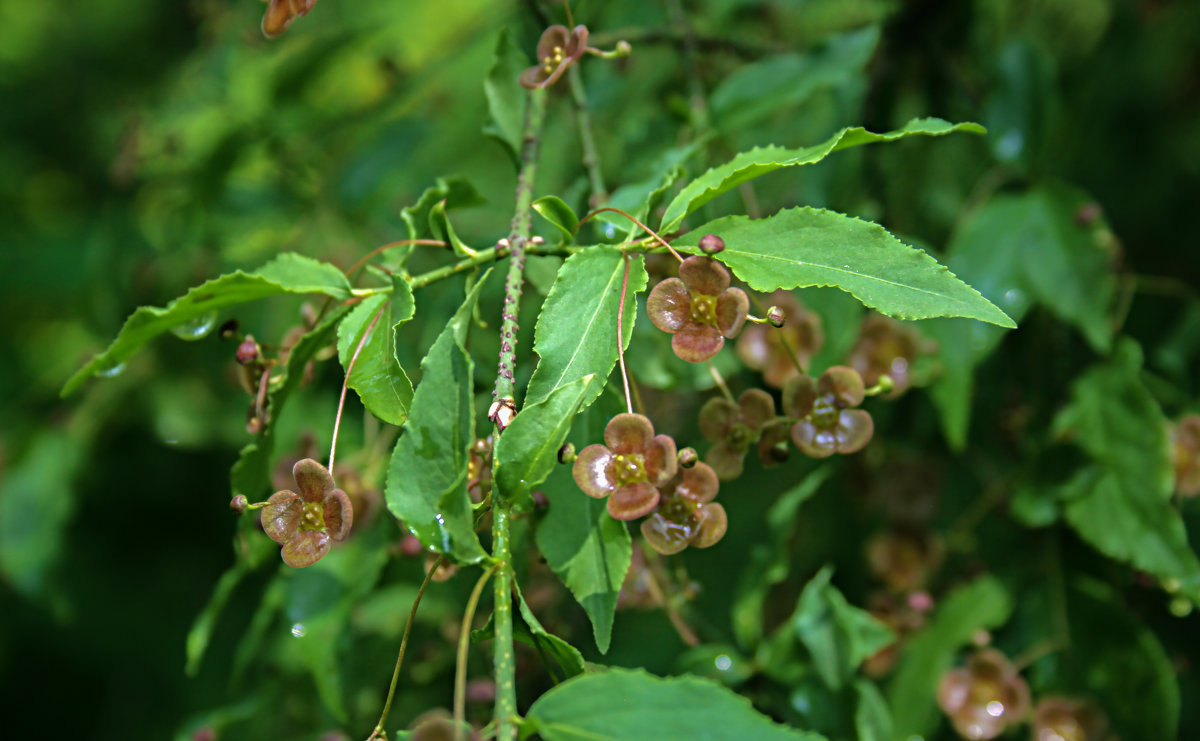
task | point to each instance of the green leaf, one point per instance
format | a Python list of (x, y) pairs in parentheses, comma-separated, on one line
[(769, 562), (588, 549), (762, 160), (804, 247), (251, 475), (377, 376), (201, 631), (639, 199), (558, 213), (441, 228), (505, 96), (288, 273), (427, 477), (872, 717), (838, 635), (1122, 505), (527, 451), (620, 704), (35, 510), (567, 656), (576, 333), (1019, 250), (782, 81), (929, 653), (455, 190)]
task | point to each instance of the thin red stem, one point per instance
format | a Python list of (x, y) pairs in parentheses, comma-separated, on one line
[(647, 229), (621, 335), (402, 243), (337, 421)]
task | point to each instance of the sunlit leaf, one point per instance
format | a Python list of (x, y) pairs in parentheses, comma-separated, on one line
[(554, 210), (505, 96), (762, 160), (803, 247), (620, 704), (576, 333), (427, 477), (377, 376), (838, 635), (527, 451)]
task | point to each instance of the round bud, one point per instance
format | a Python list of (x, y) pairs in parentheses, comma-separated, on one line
[(501, 412), (775, 317), (688, 457), (535, 240), (248, 351), (239, 503), (254, 425), (711, 244), (540, 500), (566, 454), (623, 48), (411, 547)]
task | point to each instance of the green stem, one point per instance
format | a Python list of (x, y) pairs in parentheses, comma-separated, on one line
[(482, 257), (519, 236), (591, 160), (460, 667), (412, 616)]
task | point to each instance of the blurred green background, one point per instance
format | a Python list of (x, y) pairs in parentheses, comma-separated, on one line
[(146, 146)]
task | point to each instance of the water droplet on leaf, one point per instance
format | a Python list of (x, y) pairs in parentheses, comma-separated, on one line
[(196, 328), (298, 630), (109, 371)]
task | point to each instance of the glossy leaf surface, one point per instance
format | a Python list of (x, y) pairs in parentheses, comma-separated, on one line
[(427, 477), (288, 273), (804, 247)]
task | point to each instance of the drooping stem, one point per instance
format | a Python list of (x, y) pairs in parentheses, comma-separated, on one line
[(504, 665), (621, 335), (483, 257), (391, 245), (460, 665), (653, 234), (591, 160), (412, 616), (337, 421)]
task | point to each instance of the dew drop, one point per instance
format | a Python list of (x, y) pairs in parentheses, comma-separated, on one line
[(609, 230), (1014, 296), (109, 371), (443, 533), (723, 663), (196, 328), (298, 630), (995, 709)]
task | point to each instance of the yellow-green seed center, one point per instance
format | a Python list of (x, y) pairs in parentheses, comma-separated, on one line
[(553, 59), (630, 468), (704, 309), (825, 412), (313, 517)]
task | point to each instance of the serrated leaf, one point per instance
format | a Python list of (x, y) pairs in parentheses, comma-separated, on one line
[(804, 247), (556, 211), (377, 377), (762, 160), (505, 96), (427, 478), (251, 473), (576, 333), (640, 198), (838, 635), (287, 273), (527, 451), (588, 550), (929, 653), (621, 704)]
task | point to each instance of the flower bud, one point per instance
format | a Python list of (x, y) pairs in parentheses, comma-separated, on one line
[(711, 244), (501, 412), (688, 457), (239, 503), (540, 500), (248, 351), (623, 48), (566, 454), (776, 317)]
